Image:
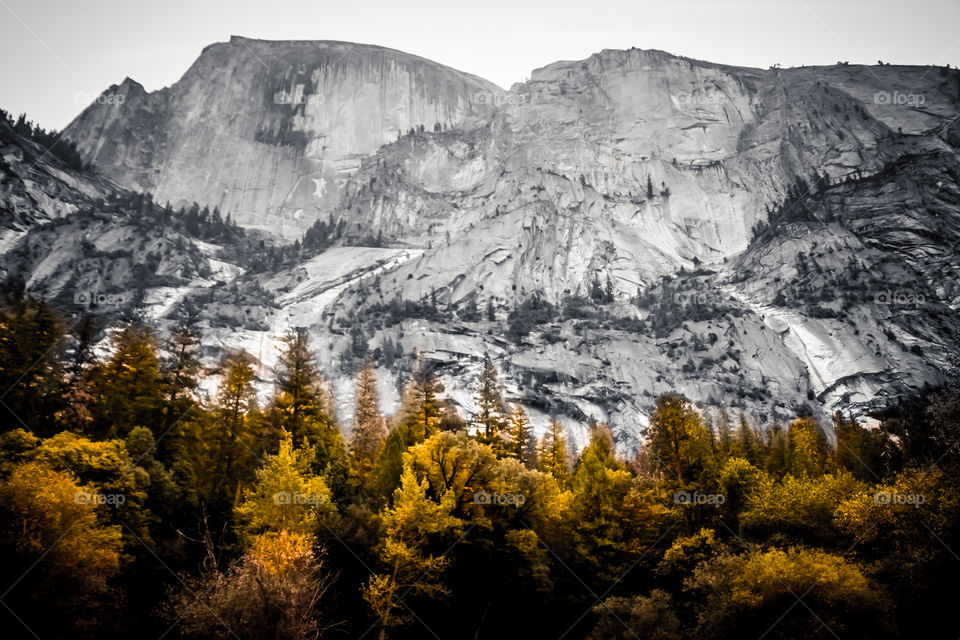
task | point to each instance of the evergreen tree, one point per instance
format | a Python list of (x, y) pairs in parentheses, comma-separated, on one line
[(552, 454), (808, 448), (128, 390), (522, 441), (179, 370), (236, 401), (369, 427), (421, 415), (725, 434), (680, 444), (303, 407), (747, 443), (286, 497), (600, 486), (489, 420), (409, 566), (31, 371)]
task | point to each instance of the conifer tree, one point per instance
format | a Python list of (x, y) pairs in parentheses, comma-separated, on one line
[(600, 485), (287, 496), (303, 407), (522, 440), (489, 418), (724, 434), (31, 341), (369, 427), (128, 390), (552, 454), (747, 443), (179, 371), (236, 400), (421, 411), (855, 451), (808, 448), (680, 445), (420, 416), (409, 566)]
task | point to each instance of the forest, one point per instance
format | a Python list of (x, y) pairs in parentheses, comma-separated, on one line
[(137, 505)]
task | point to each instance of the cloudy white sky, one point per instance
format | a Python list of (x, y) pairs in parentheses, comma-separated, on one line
[(56, 54)]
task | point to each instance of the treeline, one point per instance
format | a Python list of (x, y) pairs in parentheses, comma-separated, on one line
[(49, 141), (198, 222), (137, 504)]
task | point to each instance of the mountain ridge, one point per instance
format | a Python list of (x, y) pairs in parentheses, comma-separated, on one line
[(608, 230)]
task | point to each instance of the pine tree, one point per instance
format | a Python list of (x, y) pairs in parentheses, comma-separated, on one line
[(31, 345), (75, 414), (725, 442), (553, 455), (236, 400), (747, 443), (421, 415), (596, 289), (489, 418), (522, 440), (679, 443), (286, 496), (128, 390), (808, 448), (179, 370), (855, 451), (369, 427), (421, 411), (303, 407), (600, 485)]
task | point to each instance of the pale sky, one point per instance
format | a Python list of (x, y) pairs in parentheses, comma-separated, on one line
[(57, 56)]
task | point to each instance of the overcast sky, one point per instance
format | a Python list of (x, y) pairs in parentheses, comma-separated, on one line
[(57, 55)]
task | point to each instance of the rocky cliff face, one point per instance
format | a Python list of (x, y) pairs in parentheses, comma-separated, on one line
[(778, 240), (269, 130)]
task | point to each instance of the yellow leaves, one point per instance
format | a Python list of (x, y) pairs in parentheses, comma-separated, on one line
[(808, 448), (899, 511), (47, 515), (415, 516), (454, 465), (700, 545), (748, 593), (377, 593), (285, 497), (764, 576), (801, 503), (279, 551), (414, 521)]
